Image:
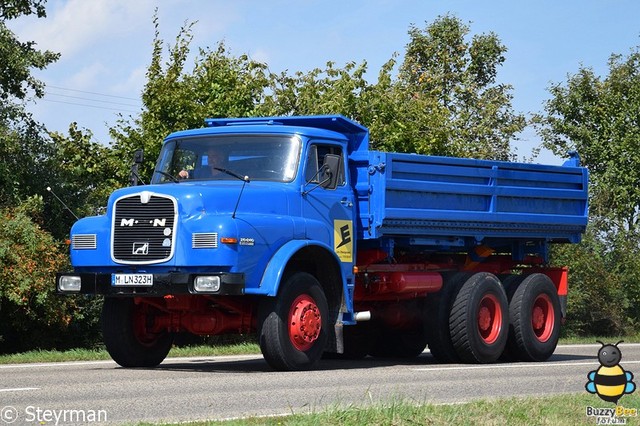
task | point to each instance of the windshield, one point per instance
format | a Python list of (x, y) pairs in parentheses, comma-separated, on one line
[(260, 157)]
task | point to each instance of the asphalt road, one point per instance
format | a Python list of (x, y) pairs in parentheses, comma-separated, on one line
[(184, 389)]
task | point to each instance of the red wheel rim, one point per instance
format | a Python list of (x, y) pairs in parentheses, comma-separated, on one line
[(542, 317), (489, 318), (305, 322)]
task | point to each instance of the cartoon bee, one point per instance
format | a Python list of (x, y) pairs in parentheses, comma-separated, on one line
[(610, 381)]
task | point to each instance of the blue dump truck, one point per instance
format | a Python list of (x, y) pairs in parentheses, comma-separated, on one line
[(292, 229)]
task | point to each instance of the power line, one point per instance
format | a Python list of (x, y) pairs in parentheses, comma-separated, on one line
[(91, 93), (90, 99), (90, 106)]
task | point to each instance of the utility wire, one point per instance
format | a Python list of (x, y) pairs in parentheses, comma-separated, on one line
[(92, 93), (90, 99), (90, 106)]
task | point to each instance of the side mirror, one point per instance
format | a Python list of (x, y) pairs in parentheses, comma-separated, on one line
[(138, 157), (331, 171)]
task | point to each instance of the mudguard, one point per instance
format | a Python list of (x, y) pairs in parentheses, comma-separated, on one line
[(272, 276)]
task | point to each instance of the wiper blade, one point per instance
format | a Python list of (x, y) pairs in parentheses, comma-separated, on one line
[(234, 174), (170, 176)]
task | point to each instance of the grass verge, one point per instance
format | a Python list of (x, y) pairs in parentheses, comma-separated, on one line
[(101, 354), (553, 410)]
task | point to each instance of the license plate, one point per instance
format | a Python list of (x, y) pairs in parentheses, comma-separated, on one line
[(135, 280)]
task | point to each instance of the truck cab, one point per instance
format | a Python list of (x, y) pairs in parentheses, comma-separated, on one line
[(233, 211)]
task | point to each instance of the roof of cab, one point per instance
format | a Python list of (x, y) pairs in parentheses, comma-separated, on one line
[(315, 126)]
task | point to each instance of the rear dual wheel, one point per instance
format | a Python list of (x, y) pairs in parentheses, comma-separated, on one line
[(535, 315), (478, 322), (437, 317)]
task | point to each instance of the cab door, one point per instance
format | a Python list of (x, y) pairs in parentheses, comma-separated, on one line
[(328, 210)]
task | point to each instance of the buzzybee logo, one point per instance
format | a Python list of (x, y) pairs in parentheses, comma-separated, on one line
[(610, 381)]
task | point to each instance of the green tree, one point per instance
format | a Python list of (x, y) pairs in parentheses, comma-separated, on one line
[(332, 90), (30, 313), (174, 98), (84, 175), (29, 258), (18, 58), (444, 99), (598, 298), (22, 146), (599, 117), (453, 104)]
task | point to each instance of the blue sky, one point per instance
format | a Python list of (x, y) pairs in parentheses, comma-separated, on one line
[(106, 44)]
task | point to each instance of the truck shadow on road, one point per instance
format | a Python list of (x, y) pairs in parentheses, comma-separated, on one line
[(259, 365)]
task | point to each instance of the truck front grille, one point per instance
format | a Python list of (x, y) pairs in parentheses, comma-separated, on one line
[(143, 228)]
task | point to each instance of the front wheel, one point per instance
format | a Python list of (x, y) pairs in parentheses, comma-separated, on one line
[(294, 325), (127, 335)]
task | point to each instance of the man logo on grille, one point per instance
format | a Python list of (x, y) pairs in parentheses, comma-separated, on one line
[(140, 248)]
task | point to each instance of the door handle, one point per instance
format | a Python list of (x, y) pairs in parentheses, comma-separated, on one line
[(346, 202)]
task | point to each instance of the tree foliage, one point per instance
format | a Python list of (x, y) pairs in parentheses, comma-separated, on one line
[(174, 98), (18, 59), (84, 175), (451, 103), (599, 117), (24, 148), (599, 302), (29, 260), (443, 100)]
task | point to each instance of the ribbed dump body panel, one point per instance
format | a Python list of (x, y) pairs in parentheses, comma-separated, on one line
[(418, 195)]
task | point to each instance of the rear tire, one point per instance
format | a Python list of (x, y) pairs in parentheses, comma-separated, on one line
[(438, 310), (479, 319), (293, 332), (535, 315), (510, 283), (127, 337)]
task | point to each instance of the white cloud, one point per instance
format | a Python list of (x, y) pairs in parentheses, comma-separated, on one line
[(259, 55), (75, 25), (132, 85), (87, 76)]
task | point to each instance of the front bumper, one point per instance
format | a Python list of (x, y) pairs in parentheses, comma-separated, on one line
[(173, 283)]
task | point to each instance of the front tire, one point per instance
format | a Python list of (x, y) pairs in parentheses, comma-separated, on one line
[(126, 334), (294, 325)]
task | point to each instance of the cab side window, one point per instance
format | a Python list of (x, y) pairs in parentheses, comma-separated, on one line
[(315, 160)]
